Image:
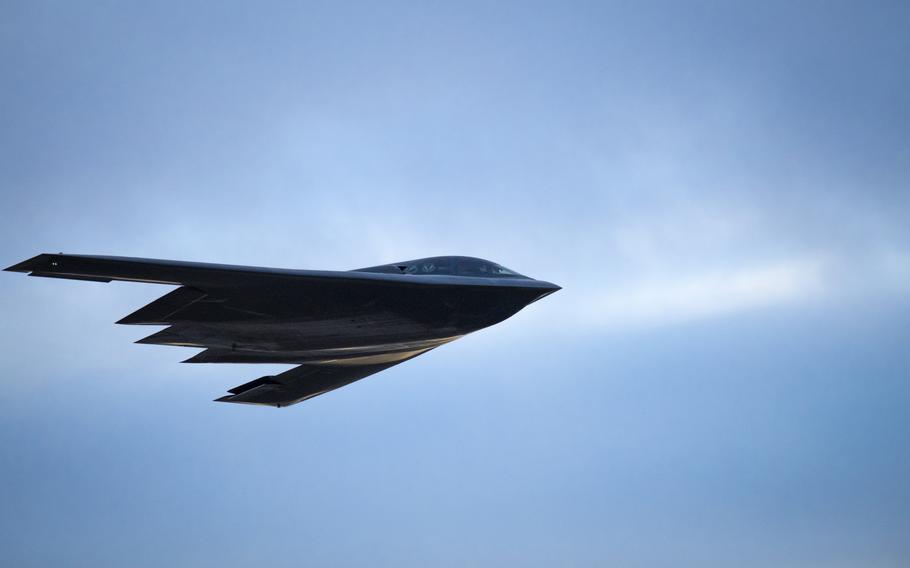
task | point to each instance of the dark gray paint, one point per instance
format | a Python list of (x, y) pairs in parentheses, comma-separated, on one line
[(338, 326)]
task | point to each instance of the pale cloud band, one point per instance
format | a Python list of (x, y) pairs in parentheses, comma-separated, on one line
[(705, 294)]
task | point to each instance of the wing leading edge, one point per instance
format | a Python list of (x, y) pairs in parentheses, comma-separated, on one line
[(156, 271)]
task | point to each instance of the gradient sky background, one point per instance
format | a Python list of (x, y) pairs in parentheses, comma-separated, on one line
[(721, 189)]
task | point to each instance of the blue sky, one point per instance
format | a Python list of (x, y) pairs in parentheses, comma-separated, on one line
[(720, 188)]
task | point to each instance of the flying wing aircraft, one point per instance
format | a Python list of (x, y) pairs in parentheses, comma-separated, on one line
[(338, 327)]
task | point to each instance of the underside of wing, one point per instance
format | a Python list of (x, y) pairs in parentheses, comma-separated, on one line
[(335, 336), (304, 382)]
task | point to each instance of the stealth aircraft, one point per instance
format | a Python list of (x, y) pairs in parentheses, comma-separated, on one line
[(337, 327)]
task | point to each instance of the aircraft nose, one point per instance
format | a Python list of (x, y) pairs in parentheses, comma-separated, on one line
[(550, 287), (544, 289)]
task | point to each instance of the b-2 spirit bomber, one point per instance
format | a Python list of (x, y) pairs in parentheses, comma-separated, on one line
[(337, 327)]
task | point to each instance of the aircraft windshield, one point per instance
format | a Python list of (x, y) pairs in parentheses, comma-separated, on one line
[(449, 265), (460, 267)]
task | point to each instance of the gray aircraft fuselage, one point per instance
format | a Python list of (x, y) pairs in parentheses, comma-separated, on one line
[(338, 326)]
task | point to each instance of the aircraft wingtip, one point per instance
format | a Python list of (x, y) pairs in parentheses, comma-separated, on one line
[(26, 265), (233, 398)]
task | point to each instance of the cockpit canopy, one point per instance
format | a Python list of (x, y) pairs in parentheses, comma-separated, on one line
[(448, 265)]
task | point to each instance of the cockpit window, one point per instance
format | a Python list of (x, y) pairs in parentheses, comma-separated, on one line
[(426, 267), (471, 267), (452, 265), (477, 267), (435, 266), (503, 271)]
